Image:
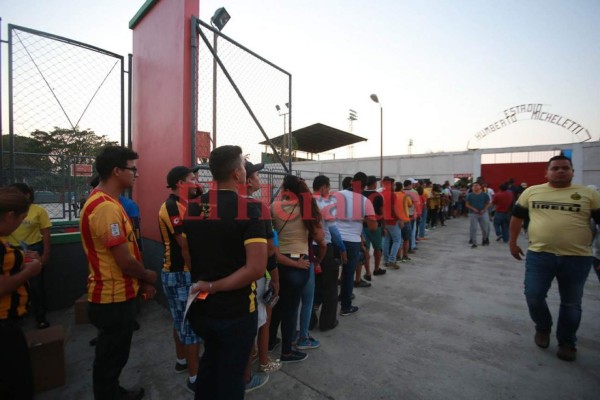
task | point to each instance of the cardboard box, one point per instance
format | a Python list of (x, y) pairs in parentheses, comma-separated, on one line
[(81, 312), (47, 352)]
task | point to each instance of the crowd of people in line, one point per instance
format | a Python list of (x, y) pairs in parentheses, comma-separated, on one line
[(243, 277)]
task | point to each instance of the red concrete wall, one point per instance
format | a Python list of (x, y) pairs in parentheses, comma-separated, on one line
[(161, 94), (532, 173)]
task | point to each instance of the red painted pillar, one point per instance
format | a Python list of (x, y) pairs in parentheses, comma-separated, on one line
[(161, 99)]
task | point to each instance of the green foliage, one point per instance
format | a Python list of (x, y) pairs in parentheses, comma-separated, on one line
[(70, 143), (44, 159)]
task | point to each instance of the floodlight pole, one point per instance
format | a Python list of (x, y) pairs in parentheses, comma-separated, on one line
[(376, 100), (220, 25), (286, 136), (214, 99)]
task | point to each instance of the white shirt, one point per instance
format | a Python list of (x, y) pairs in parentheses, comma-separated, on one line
[(328, 212), (352, 208)]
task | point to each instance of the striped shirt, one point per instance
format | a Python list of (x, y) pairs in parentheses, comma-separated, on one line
[(170, 224), (104, 224), (12, 305)]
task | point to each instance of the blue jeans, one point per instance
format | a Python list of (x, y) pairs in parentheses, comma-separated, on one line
[(227, 346), (413, 234), (422, 223), (391, 249), (308, 295), (348, 271), (571, 273), (291, 281), (501, 221)]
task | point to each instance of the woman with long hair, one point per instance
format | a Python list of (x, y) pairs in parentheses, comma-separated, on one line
[(297, 220), (17, 267)]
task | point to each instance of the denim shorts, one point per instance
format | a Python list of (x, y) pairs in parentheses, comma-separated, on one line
[(177, 286)]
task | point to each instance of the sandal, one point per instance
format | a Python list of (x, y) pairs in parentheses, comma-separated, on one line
[(270, 366)]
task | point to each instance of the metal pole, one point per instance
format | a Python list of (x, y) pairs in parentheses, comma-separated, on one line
[(122, 102), (11, 139), (381, 145), (214, 105), (290, 120), (130, 97), (1, 108), (194, 90)]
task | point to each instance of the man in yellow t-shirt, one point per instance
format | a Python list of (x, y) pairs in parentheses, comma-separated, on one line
[(34, 235), (559, 247), (116, 270)]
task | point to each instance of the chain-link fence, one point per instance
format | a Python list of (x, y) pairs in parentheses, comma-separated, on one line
[(243, 99), (61, 89), (60, 183), (271, 180)]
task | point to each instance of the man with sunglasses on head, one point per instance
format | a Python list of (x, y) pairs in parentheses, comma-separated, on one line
[(116, 270)]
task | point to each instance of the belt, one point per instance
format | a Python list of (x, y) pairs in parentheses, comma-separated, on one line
[(294, 256)]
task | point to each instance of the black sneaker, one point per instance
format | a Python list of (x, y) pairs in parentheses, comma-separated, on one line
[(485, 242), (379, 271), (179, 368), (406, 259), (274, 343), (134, 394), (367, 277), (294, 356), (348, 311), (362, 284), (473, 245)]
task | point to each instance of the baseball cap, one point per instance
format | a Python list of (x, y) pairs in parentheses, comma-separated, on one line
[(177, 174), (371, 179), (252, 168)]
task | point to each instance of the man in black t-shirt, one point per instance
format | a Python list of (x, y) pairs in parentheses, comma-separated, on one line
[(372, 237), (228, 250)]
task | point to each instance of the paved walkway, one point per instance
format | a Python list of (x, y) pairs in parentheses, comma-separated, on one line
[(452, 324)]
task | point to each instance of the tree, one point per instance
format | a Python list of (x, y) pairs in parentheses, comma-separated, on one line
[(71, 143)]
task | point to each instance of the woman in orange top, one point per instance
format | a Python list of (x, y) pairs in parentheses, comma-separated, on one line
[(17, 267)]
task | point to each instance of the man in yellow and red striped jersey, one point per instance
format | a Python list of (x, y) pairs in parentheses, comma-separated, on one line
[(116, 270)]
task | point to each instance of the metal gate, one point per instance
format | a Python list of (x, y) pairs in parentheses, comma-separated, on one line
[(64, 91), (241, 99)]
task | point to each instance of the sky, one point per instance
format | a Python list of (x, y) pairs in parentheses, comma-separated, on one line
[(443, 70)]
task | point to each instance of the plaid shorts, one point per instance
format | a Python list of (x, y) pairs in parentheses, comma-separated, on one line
[(176, 286)]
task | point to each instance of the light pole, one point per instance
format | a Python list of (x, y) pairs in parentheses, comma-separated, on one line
[(218, 20), (376, 100), (288, 137)]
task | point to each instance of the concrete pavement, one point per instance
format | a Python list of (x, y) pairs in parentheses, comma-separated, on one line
[(452, 324)]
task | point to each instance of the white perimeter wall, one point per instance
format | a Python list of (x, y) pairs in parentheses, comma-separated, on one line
[(440, 167)]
